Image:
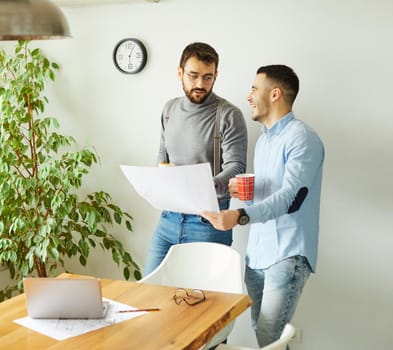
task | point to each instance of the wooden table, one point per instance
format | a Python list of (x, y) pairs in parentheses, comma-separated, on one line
[(174, 327)]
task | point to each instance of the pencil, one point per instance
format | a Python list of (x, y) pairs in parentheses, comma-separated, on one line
[(139, 310)]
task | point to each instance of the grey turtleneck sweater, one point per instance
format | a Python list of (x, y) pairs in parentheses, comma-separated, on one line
[(187, 137)]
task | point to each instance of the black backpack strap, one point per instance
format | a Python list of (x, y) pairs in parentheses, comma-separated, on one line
[(217, 138)]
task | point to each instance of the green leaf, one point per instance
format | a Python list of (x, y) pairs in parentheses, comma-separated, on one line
[(54, 252), (128, 225), (35, 52), (84, 248), (106, 243), (82, 260), (91, 219), (117, 218), (126, 273), (115, 256), (92, 242), (137, 275), (52, 75)]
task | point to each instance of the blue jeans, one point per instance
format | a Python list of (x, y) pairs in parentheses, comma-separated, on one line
[(174, 228), (275, 292)]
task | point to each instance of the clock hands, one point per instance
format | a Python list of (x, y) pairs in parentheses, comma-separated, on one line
[(129, 56)]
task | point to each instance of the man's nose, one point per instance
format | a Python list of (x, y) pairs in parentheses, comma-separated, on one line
[(200, 80)]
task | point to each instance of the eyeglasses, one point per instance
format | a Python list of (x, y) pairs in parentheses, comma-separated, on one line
[(207, 78), (190, 297)]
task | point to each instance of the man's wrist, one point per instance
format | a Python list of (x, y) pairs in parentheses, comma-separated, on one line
[(243, 218)]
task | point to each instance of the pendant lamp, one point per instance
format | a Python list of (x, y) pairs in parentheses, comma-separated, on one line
[(31, 19)]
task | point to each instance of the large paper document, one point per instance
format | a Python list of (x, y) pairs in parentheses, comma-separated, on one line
[(186, 189), (61, 329)]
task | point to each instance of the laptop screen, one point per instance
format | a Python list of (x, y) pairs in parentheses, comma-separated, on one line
[(63, 298)]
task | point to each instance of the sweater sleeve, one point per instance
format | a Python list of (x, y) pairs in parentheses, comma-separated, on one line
[(233, 132)]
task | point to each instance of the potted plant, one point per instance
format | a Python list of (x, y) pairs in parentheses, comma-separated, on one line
[(42, 218)]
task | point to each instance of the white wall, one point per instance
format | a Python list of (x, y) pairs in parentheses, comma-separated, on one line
[(342, 53)]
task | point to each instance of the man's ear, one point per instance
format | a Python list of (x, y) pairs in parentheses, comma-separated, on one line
[(276, 94), (179, 73)]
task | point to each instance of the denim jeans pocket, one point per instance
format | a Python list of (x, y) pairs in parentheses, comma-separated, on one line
[(204, 221)]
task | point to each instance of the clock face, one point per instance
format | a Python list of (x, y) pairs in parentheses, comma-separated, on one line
[(130, 56)]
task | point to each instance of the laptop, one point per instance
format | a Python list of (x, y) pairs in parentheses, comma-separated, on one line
[(63, 298)]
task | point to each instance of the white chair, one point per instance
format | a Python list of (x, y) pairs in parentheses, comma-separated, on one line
[(281, 344), (201, 265)]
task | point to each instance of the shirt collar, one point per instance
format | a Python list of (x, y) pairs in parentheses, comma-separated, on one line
[(278, 126)]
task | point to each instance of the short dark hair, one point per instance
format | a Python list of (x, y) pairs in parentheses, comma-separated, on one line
[(201, 51), (285, 77)]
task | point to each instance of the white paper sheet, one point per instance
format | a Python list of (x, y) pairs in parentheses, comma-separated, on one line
[(186, 189), (61, 329)]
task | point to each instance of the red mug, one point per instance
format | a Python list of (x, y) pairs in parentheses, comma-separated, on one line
[(245, 186)]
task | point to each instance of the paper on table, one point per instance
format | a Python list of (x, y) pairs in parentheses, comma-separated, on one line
[(186, 189), (61, 329)]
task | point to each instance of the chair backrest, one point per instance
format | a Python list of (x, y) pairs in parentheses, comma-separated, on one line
[(202, 265), (281, 344)]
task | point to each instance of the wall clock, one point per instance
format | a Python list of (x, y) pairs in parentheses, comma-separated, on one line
[(130, 55)]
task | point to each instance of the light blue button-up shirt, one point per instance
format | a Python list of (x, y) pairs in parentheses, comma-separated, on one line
[(288, 164)]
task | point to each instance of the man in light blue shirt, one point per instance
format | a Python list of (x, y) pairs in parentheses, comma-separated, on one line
[(284, 214)]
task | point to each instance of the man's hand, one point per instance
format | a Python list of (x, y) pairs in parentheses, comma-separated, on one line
[(223, 220), (233, 188)]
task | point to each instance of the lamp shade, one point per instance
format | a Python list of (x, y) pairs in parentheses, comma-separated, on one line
[(31, 19)]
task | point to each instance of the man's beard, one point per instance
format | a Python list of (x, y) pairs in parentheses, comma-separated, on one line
[(194, 99)]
